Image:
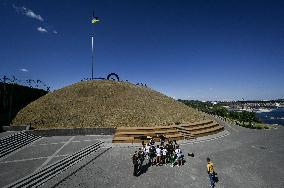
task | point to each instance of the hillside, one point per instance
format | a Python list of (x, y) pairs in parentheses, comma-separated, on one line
[(105, 103)]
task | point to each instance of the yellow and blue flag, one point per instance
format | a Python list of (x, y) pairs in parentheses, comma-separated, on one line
[(95, 20)]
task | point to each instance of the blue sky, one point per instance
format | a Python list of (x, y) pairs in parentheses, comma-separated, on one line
[(206, 50)]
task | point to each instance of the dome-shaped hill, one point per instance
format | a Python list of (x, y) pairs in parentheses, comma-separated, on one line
[(105, 104)]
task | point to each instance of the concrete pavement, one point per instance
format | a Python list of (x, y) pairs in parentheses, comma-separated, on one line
[(243, 158), (39, 154)]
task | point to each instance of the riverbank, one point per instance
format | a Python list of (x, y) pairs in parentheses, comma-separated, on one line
[(274, 117)]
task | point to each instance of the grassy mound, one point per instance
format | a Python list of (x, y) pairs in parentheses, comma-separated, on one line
[(105, 104)]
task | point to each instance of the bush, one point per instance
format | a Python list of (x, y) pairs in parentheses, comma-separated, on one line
[(244, 125), (258, 127)]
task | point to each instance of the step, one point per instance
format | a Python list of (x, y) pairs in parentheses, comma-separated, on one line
[(122, 139), (15, 142), (39, 177), (208, 131), (11, 135), (191, 129), (17, 138), (12, 149), (196, 124), (152, 134)]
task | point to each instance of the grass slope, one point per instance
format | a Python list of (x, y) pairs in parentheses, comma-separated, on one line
[(105, 104)]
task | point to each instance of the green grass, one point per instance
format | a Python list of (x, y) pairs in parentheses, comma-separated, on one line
[(254, 125), (105, 104)]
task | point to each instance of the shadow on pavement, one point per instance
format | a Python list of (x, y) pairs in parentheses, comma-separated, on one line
[(144, 168)]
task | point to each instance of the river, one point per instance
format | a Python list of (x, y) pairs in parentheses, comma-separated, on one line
[(276, 116)]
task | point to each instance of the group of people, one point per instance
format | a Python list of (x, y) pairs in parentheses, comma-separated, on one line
[(163, 154)]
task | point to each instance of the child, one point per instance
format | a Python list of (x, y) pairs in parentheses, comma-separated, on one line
[(141, 155), (164, 159), (152, 154), (158, 153), (147, 149), (172, 159), (178, 154)]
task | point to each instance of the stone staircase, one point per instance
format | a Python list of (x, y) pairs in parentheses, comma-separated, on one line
[(15, 141), (46, 173)]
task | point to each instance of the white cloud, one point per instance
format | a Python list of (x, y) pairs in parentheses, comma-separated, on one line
[(25, 11), (24, 70), (210, 88), (31, 14), (42, 30)]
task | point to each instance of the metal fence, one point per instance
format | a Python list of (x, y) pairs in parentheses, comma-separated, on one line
[(37, 84)]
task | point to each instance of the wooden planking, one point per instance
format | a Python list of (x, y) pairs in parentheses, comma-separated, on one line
[(196, 124), (206, 126), (141, 133), (205, 132), (173, 132)]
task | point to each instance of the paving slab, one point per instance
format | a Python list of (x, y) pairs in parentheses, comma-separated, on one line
[(40, 153), (34, 152), (76, 146), (11, 172), (244, 158)]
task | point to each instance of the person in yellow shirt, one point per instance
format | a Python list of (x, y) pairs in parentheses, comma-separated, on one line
[(210, 171)]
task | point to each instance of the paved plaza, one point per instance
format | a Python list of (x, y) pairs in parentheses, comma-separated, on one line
[(243, 158)]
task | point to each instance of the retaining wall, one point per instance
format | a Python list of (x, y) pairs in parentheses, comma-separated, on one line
[(75, 131), (63, 132)]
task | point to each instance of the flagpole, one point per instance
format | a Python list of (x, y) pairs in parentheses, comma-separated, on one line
[(94, 20), (92, 58)]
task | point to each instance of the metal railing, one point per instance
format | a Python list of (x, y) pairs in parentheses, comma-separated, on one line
[(37, 84)]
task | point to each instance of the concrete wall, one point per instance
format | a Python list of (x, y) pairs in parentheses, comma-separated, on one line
[(15, 128), (75, 131), (63, 132)]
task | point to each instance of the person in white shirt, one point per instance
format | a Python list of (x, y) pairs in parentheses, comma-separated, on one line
[(147, 149), (164, 156), (158, 154), (179, 155)]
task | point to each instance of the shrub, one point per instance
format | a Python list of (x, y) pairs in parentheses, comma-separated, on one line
[(258, 127), (250, 126)]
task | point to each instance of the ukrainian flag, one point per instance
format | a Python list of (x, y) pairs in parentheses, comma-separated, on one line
[(95, 20)]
